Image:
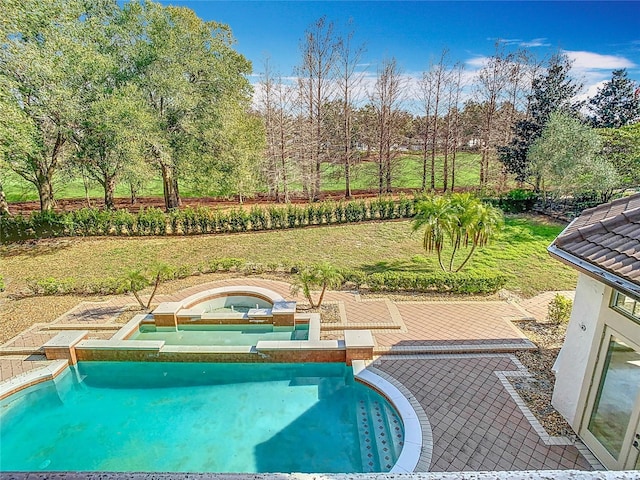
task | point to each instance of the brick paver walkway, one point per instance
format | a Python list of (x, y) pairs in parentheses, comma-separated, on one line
[(477, 423)]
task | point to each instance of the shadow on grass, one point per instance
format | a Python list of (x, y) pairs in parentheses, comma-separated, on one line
[(35, 247), (410, 266)]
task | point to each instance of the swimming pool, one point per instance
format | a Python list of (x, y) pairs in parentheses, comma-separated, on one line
[(226, 334), (200, 417)]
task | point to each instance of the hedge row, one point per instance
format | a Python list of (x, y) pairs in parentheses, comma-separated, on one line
[(153, 221), (433, 282)]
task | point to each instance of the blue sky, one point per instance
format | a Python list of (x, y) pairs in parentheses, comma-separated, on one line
[(598, 36)]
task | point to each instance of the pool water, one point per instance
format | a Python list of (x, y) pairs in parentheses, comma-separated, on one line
[(200, 417), (220, 334)]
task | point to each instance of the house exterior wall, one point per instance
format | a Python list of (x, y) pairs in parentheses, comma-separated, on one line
[(583, 331)]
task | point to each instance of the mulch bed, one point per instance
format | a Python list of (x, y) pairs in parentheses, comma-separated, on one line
[(537, 390)]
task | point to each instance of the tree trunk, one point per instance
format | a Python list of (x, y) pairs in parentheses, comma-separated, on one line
[(134, 193), (424, 164), (285, 189), (4, 206), (453, 167), (109, 189), (380, 173), (169, 184), (45, 192), (347, 177), (388, 169)]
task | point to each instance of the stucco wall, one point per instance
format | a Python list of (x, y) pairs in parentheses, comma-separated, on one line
[(572, 361)]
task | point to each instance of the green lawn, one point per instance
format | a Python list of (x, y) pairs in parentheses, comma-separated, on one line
[(407, 174), (519, 251)]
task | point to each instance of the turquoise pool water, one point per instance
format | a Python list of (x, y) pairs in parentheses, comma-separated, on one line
[(188, 417), (220, 334)]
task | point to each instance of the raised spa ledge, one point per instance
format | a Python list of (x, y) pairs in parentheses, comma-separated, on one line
[(259, 313), (154, 345), (191, 312), (207, 349), (165, 314), (62, 346), (284, 307), (224, 315), (359, 345), (166, 308)]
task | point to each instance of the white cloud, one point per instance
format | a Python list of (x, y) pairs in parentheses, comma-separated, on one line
[(595, 61), (536, 42), (477, 62), (594, 69)]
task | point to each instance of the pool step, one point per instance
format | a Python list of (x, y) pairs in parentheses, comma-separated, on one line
[(381, 436)]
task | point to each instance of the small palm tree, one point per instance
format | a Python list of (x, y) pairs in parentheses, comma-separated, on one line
[(135, 280), (161, 272), (328, 276), (462, 219), (436, 216), (323, 275), (132, 282)]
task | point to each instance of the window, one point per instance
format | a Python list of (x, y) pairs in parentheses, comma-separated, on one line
[(626, 305)]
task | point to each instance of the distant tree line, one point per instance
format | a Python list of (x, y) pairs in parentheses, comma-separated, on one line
[(516, 108), (119, 93)]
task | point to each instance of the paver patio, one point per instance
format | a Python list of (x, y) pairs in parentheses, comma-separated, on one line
[(477, 420)]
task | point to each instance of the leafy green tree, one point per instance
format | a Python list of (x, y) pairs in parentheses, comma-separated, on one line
[(567, 159), (191, 77), (621, 146), (459, 219), (322, 275), (617, 103), (47, 64), (554, 90), (112, 137)]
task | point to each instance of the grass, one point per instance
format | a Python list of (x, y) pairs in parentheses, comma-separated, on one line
[(407, 174), (520, 251)]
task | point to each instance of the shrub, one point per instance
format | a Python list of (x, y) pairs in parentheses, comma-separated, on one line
[(559, 309), (258, 218), (277, 216), (154, 221), (52, 286), (516, 201), (2, 287)]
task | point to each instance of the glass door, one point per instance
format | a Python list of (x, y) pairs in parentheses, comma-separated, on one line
[(614, 406)]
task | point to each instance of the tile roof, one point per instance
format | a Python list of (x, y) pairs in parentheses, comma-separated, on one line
[(607, 237)]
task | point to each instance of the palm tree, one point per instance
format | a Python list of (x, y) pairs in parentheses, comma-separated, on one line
[(462, 219), (322, 275), (328, 276), (132, 282), (487, 221), (437, 217)]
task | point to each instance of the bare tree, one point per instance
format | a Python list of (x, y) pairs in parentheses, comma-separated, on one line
[(315, 82), (386, 98), (275, 102), (454, 118), (438, 73), (349, 82), (490, 89)]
